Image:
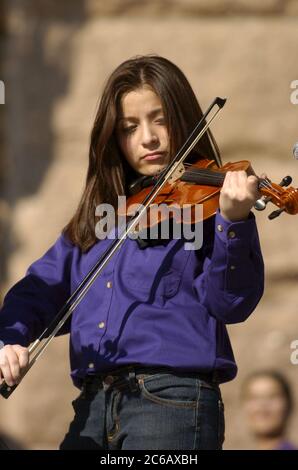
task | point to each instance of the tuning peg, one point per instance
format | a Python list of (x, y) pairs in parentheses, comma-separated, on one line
[(286, 181), (275, 214), (261, 203)]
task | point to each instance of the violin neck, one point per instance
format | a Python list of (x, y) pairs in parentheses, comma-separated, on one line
[(209, 177), (203, 176)]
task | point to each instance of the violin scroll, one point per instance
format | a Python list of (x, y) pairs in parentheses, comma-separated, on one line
[(286, 199)]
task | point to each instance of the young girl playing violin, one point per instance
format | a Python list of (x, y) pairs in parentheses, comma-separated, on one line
[(148, 343)]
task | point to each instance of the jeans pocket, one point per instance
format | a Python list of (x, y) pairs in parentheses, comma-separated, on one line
[(170, 390)]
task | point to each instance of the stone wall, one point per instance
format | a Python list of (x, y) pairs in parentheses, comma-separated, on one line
[(54, 60)]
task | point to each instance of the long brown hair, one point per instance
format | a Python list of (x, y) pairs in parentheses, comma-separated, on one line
[(109, 173)]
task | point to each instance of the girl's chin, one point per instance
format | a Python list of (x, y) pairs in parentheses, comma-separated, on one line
[(152, 168)]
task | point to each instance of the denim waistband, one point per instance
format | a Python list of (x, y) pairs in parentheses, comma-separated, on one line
[(132, 371)]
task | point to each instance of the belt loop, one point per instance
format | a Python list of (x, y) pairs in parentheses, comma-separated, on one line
[(132, 380)]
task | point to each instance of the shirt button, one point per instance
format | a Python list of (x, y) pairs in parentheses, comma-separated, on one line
[(91, 365), (109, 284), (231, 234), (232, 267), (220, 228), (101, 324)]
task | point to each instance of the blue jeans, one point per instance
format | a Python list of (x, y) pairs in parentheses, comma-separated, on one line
[(149, 409)]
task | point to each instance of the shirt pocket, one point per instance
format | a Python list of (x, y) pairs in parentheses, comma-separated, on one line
[(165, 285)]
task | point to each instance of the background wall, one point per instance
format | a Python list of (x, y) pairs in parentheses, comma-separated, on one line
[(54, 59)]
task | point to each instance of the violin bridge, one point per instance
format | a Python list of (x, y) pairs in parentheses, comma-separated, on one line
[(177, 173)]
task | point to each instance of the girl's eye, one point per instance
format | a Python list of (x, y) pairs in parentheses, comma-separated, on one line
[(129, 129), (160, 120)]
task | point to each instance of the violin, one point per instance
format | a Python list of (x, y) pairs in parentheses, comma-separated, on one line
[(200, 183)]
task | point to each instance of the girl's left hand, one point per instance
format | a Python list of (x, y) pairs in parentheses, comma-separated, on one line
[(238, 195)]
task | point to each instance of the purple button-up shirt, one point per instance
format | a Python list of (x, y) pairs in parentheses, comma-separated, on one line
[(162, 305)]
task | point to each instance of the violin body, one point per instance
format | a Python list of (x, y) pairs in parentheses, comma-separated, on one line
[(200, 184)]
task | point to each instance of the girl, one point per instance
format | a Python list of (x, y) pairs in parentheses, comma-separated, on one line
[(148, 344)]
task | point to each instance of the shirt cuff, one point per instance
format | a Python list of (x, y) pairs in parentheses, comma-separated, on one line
[(236, 252), (11, 336), (235, 232)]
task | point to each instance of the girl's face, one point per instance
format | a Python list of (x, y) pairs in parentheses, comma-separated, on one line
[(141, 131), (265, 406)]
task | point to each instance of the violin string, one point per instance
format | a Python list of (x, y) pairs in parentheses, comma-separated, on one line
[(216, 176), (267, 184), (203, 171), (207, 173)]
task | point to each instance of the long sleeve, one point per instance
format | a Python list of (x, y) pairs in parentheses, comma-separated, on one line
[(32, 303), (232, 281)]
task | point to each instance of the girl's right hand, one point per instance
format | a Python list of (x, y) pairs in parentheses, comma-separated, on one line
[(13, 360)]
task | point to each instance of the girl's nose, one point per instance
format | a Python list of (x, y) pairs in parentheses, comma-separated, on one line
[(148, 136)]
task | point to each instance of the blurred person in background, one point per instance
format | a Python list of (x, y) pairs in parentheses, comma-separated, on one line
[(268, 405)]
